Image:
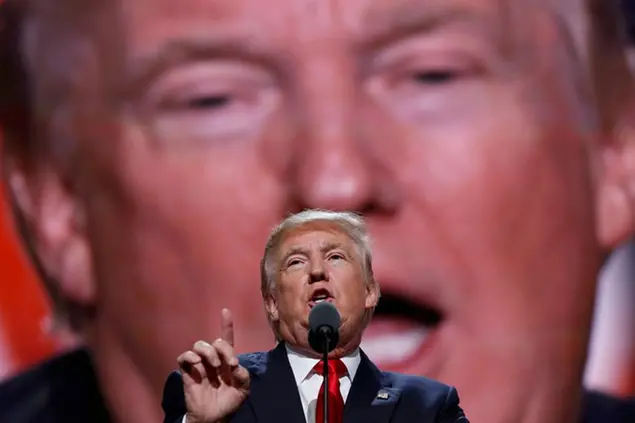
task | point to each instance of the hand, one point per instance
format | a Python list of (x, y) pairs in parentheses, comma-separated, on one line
[(215, 385)]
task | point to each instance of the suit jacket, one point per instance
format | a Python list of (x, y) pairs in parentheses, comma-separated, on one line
[(375, 396), (64, 389), (602, 408)]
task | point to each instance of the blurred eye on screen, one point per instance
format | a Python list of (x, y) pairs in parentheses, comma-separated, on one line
[(204, 103), (435, 76), (418, 76)]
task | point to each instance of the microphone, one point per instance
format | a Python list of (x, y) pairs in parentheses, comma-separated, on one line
[(324, 333), (324, 327)]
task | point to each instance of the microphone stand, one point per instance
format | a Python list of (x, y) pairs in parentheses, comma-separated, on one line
[(325, 358)]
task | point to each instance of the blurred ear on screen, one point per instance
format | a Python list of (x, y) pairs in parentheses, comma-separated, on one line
[(23, 304)]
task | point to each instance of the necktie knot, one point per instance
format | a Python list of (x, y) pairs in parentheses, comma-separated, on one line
[(336, 368)]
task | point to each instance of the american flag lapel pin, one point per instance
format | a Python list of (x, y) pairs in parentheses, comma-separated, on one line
[(382, 395)]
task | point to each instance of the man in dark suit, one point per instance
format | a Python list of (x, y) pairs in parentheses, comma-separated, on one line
[(311, 257)]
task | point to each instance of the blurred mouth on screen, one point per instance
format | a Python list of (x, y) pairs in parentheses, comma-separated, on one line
[(401, 331)]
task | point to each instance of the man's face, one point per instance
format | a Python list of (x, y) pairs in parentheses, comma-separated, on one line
[(455, 127), (319, 262)]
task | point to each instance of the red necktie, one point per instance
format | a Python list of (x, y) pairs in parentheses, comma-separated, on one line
[(337, 369)]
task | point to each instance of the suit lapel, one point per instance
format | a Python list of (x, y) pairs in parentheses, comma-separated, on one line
[(274, 394), (371, 399)]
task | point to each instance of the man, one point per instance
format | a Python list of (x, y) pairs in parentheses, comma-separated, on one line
[(311, 257), (151, 145)]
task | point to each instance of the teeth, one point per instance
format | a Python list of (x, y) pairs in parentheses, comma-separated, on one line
[(394, 347), (320, 300)]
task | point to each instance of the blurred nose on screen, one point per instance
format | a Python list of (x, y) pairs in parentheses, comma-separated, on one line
[(333, 167)]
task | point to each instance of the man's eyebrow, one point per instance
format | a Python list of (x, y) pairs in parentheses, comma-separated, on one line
[(292, 251), (144, 68), (411, 17), (329, 246)]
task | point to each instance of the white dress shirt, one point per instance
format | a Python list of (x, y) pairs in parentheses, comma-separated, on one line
[(309, 382)]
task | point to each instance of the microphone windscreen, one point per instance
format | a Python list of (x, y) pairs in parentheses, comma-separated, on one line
[(324, 315)]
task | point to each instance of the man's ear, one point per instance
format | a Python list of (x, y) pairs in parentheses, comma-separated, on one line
[(615, 190), (55, 225), (372, 294), (272, 308)]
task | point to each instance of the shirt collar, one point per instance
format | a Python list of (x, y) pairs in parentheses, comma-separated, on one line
[(303, 365)]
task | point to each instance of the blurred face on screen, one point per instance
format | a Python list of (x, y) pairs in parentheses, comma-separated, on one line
[(462, 130)]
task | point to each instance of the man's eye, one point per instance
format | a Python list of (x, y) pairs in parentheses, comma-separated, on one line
[(208, 102), (199, 102), (336, 257), (435, 76), (294, 262)]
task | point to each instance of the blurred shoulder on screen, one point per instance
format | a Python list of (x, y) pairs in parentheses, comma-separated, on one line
[(63, 388)]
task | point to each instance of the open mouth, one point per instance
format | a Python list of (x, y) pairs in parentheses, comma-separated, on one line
[(320, 295), (400, 332)]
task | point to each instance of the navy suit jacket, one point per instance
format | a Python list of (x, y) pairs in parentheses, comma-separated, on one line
[(274, 395)]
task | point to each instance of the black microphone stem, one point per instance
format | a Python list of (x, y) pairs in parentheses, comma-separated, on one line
[(324, 323), (326, 377)]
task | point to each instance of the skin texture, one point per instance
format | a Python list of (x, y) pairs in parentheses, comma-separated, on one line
[(461, 130)]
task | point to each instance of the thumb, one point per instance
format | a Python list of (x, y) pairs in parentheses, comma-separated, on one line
[(241, 377)]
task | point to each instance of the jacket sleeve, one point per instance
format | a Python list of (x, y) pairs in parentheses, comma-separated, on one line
[(451, 411), (173, 403)]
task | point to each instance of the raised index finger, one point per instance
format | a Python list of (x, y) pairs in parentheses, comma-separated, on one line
[(227, 326)]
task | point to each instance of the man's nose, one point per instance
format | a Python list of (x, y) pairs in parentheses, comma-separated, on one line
[(332, 175), (332, 166), (318, 274)]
